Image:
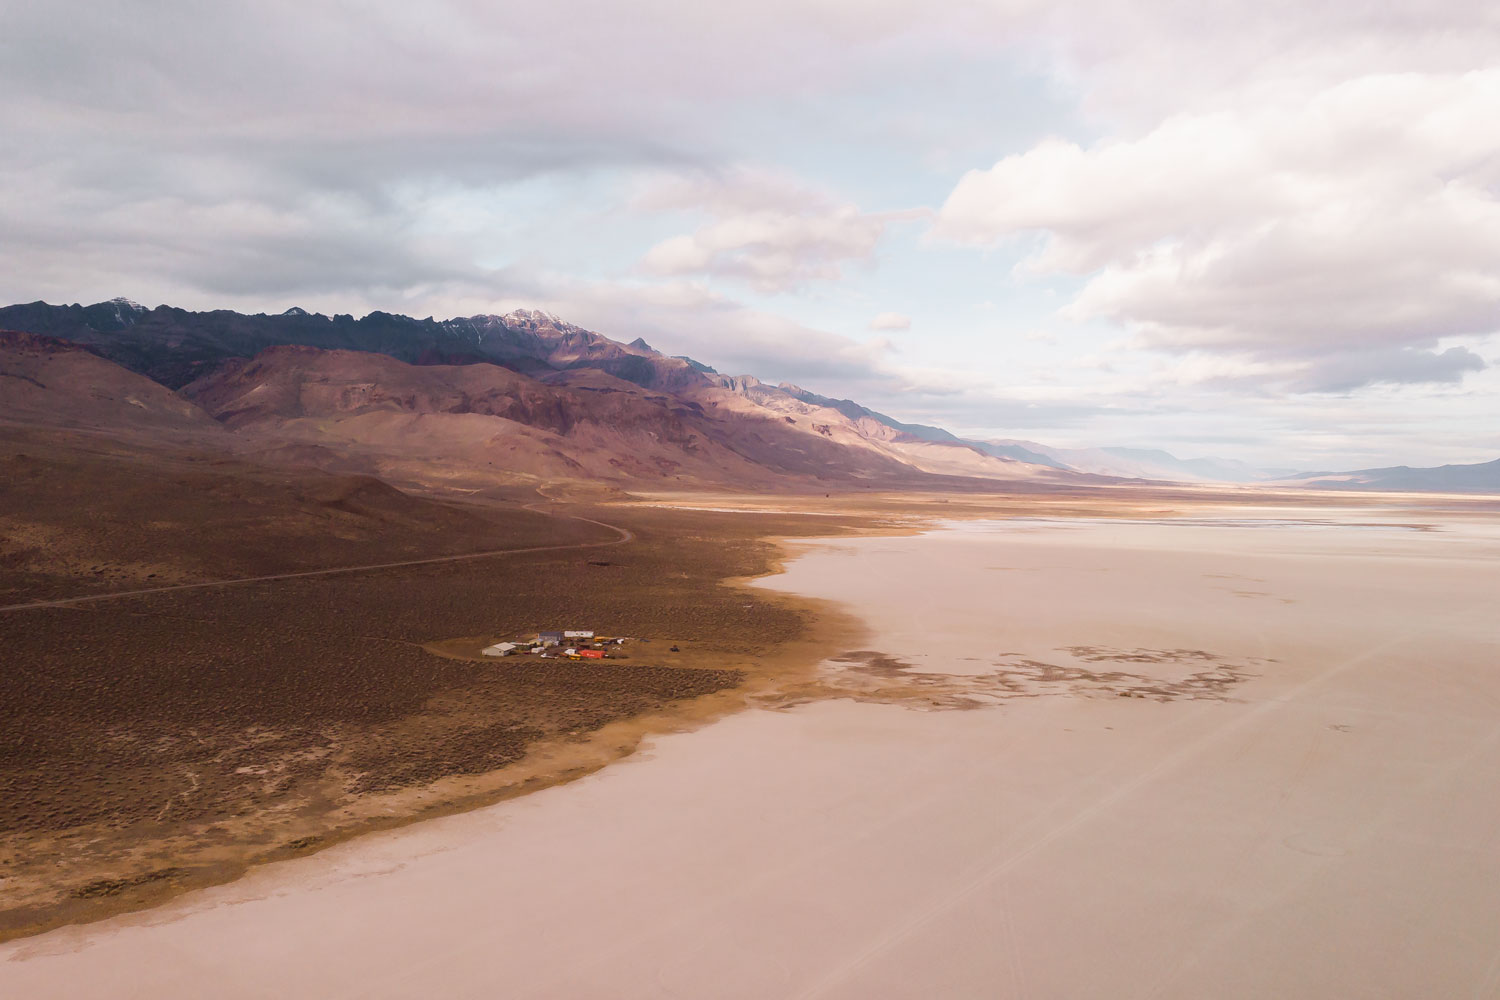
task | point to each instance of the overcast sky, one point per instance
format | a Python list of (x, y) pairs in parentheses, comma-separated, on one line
[(1263, 230)]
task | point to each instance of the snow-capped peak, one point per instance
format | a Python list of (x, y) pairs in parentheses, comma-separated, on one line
[(537, 316)]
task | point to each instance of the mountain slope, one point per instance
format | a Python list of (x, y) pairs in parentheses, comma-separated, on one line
[(1132, 463), (53, 383), (447, 420), (929, 449)]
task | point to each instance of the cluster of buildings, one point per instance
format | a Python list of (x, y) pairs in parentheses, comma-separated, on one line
[(574, 644)]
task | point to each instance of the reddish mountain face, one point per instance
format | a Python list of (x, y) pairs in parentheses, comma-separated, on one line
[(286, 383), (53, 383), (453, 421)]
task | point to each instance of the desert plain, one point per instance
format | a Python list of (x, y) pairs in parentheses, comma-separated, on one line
[(1176, 745)]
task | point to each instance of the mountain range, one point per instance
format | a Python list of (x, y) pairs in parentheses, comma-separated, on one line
[(521, 396), (518, 396), (1482, 477)]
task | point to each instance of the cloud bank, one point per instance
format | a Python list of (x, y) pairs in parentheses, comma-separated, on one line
[(1248, 203), (1363, 220)]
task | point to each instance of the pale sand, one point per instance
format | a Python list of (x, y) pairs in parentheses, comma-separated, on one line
[(1321, 822)]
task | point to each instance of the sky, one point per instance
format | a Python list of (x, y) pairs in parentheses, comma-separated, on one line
[(1266, 231)]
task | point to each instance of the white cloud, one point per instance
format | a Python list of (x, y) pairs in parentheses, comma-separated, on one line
[(1365, 217), (767, 230), (890, 321)]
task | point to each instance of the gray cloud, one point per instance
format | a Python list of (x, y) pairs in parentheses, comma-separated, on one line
[(1391, 366), (1300, 192), (188, 149)]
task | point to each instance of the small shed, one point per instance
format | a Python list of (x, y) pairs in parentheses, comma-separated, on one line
[(500, 649), (579, 634), (549, 638)]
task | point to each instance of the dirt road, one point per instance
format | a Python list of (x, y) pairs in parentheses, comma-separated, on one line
[(624, 536)]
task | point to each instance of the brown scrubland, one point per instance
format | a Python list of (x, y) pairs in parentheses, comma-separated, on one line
[(154, 742)]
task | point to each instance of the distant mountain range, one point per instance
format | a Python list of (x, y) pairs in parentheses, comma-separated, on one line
[(1483, 477), (520, 395)]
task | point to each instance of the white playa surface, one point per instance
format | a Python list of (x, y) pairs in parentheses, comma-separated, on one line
[(1299, 801)]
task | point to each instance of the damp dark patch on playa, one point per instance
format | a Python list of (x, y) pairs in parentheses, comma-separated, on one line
[(1191, 674), (1184, 675), (875, 663), (873, 676)]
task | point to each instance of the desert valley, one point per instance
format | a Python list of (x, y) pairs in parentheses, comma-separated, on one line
[(901, 713), (749, 501)]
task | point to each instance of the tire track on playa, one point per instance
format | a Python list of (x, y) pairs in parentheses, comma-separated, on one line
[(625, 535), (983, 876)]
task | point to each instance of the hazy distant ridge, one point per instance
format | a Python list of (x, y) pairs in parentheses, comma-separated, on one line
[(1481, 477)]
